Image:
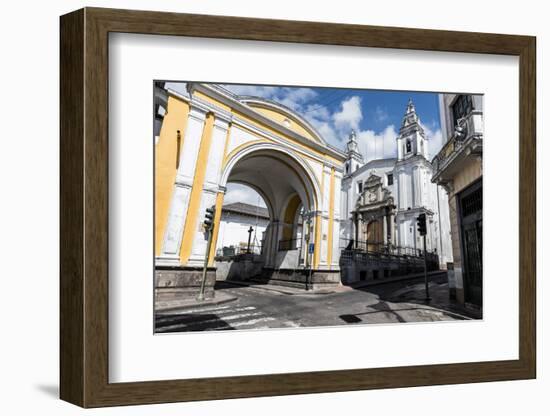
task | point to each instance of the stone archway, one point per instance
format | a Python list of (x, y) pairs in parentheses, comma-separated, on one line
[(287, 185), (211, 137)]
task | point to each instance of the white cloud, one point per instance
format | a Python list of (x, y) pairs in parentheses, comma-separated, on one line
[(294, 98), (350, 115), (434, 137), (253, 90), (377, 145), (335, 126), (380, 114), (242, 193)]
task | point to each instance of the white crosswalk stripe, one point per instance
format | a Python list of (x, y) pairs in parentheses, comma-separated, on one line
[(209, 311), (217, 318)]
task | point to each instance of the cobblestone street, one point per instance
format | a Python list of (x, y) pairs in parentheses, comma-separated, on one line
[(262, 307)]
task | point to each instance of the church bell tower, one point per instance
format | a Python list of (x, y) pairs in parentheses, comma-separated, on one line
[(412, 139), (354, 159)]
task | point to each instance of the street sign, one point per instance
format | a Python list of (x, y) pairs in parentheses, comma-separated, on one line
[(311, 248)]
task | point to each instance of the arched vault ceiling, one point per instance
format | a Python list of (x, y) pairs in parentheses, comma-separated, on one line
[(277, 179)]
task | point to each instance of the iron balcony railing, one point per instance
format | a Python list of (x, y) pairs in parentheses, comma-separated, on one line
[(464, 136)]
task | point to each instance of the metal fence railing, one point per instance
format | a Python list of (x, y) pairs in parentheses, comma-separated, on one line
[(286, 245), (231, 251), (363, 250)]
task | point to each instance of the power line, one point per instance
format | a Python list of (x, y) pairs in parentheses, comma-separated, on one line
[(327, 102)]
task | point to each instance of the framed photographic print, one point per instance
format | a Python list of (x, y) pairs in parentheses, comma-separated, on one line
[(257, 207)]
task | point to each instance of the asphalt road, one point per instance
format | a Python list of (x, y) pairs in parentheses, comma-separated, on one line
[(259, 308)]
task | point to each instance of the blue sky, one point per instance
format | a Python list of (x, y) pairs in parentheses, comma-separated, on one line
[(375, 116)]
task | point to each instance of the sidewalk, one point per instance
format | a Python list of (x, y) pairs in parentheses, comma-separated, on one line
[(189, 303), (285, 290), (288, 290), (414, 292), (385, 280)]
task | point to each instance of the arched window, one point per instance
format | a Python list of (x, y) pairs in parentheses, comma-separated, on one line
[(408, 146)]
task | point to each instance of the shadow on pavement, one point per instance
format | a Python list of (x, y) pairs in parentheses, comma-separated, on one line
[(188, 322), (413, 292)]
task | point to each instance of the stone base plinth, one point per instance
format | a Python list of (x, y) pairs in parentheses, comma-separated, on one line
[(172, 283), (319, 279)]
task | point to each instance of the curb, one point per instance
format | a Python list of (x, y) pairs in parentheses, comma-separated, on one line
[(271, 288), (397, 279), (208, 302)]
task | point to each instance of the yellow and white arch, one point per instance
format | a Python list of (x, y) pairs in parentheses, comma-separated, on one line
[(226, 138)]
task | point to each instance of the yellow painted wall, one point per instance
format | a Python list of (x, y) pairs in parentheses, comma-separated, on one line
[(191, 221), (290, 215), (280, 118), (289, 139), (165, 163), (211, 100)]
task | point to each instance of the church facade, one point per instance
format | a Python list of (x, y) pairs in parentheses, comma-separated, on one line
[(382, 198)]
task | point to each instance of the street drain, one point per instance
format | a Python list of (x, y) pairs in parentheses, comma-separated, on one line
[(350, 319)]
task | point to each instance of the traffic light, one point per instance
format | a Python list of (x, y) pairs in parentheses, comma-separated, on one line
[(209, 218), (421, 223)]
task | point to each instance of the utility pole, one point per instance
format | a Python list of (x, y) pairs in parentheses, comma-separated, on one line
[(421, 223), (209, 227)]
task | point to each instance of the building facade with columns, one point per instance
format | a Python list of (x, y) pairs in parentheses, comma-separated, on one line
[(458, 168), (382, 198), (208, 137)]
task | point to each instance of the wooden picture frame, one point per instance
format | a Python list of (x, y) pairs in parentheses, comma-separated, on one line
[(84, 207)]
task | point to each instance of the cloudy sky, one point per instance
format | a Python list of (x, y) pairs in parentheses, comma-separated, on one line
[(374, 115)]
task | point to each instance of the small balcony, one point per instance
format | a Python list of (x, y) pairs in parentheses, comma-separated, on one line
[(465, 142)]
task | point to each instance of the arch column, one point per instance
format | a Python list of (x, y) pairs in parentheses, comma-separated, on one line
[(207, 193)]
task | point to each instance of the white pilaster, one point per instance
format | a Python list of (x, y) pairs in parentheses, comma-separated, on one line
[(182, 188), (335, 263), (210, 187)]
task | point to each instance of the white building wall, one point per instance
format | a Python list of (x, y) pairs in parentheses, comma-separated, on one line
[(234, 230)]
